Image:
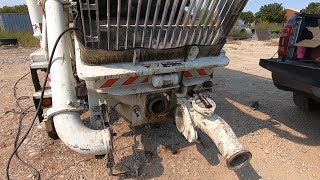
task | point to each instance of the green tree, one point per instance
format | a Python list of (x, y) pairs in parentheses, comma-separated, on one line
[(247, 16), (272, 12), (14, 9), (312, 8)]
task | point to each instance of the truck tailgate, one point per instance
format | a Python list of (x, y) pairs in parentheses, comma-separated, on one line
[(307, 73)]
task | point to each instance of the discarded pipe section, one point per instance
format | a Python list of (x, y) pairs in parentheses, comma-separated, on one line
[(227, 142), (200, 115)]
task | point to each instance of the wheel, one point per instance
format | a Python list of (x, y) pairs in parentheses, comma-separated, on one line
[(304, 103)]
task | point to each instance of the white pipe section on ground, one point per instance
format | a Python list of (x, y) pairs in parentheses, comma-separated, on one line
[(236, 155), (68, 125), (200, 115)]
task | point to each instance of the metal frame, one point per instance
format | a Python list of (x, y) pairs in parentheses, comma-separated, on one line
[(139, 107), (174, 23)]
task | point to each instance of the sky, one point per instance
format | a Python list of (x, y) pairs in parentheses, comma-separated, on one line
[(11, 2), (253, 5)]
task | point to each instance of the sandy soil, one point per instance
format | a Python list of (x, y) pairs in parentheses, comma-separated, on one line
[(284, 141)]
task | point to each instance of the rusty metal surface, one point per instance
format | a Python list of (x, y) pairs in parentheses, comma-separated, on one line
[(118, 31), (156, 24), (99, 56)]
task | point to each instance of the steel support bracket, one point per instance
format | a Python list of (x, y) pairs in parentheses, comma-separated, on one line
[(193, 53)]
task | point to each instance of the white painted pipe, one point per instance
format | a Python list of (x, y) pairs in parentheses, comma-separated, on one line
[(35, 17), (236, 155), (68, 125), (159, 81), (44, 42)]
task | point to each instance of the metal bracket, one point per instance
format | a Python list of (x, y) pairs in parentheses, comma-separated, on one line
[(109, 155), (136, 56), (193, 53)]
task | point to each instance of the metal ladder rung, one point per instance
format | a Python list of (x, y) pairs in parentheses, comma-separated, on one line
[(39, 65), (47, 94)]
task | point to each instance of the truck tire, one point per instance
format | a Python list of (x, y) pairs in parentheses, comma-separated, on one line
[(304, 103)]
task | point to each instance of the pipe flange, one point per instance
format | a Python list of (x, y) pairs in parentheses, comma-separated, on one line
[(61, 109), (184, 123), (203, 105), (157, 104)]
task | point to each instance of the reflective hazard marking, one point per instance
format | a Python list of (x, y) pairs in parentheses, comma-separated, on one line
[(109, 83), (196, 73)]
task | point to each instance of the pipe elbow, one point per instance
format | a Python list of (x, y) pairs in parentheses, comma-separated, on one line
[(79, 137)]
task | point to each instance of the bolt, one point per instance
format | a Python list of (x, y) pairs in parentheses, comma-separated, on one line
[(136, 110), (69, 102)]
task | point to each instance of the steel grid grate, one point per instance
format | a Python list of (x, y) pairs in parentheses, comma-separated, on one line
[(157, 24)]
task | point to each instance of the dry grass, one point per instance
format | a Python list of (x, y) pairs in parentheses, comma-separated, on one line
[(25, 39), (273, 27)]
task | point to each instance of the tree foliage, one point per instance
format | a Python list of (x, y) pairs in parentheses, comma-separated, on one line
[(312, 8), (14, 9), (247, 16), (272, 12)]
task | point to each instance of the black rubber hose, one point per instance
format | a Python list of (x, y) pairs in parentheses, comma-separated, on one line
[(39, 105)]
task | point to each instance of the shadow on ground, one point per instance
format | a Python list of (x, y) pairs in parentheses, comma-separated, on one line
[(235, 92)]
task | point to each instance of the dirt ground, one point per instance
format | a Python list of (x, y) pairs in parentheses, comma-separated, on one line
[(284, 141)]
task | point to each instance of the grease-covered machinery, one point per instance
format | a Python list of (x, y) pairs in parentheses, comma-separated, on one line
[(149, 60)]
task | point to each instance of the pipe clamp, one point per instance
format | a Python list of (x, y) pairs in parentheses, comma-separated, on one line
[(205, 108), (60, 109)]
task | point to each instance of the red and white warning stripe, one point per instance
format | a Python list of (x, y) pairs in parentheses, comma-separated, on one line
[(116, 82), (196, 73)]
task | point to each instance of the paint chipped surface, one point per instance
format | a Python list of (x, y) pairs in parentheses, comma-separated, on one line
[(284, 141)]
